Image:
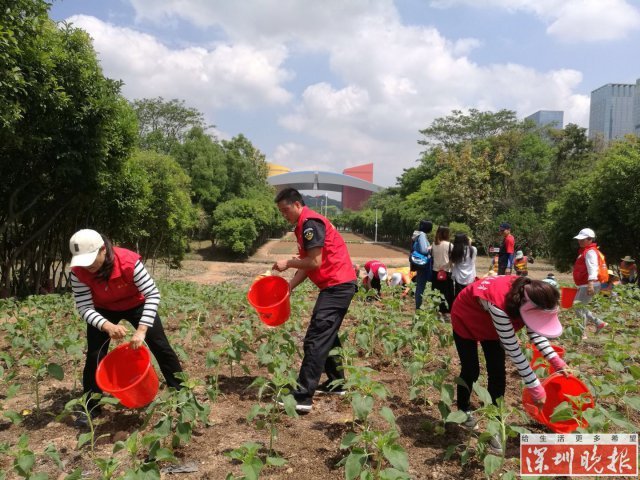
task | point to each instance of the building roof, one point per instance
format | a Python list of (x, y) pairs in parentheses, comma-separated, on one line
[(325, 181)]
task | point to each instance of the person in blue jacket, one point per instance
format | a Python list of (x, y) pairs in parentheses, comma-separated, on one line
[(419, 239)]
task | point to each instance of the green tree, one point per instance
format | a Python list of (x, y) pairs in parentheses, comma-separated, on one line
[(170, 214), (204, 160), (616, 200), (164, 124), (246, 167), (607, 200), (459, 127), (574, 155), (63, 127), (240, 224)]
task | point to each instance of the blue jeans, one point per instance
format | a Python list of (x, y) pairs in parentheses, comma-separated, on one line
[(422, 277)]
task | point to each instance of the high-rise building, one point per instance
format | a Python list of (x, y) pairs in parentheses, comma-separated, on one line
[(611, 113), (636, 108), (550, 118)]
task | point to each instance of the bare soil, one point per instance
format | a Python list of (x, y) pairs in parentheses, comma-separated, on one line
[(310, 443)]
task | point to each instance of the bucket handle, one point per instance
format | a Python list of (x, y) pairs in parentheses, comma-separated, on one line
[(107, 341)]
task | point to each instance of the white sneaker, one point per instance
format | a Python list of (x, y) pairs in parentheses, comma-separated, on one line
[(471, 422), (495, 445)]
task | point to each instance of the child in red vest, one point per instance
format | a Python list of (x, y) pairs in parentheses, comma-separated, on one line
[(110, 284), (585, 276)]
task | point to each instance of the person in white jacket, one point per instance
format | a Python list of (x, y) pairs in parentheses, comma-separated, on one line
[(463, 263)]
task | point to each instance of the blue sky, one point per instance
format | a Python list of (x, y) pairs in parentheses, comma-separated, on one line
[(332, 84)]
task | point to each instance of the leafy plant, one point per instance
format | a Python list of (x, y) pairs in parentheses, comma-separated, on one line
[(251, 462), (85, 406)]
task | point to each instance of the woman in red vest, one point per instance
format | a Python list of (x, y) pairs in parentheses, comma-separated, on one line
[(110, 284), (491, 311), (585, 276)]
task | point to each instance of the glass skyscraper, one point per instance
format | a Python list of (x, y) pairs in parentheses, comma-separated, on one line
[(550, 118), (612, 111), (636, 108)]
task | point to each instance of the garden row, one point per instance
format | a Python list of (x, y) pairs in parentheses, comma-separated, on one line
[(398, 419)]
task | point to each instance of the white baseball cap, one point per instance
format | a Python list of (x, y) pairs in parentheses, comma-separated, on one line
[(519, 254), (382, 274), (396, 279), (585, 233), (85, 245)]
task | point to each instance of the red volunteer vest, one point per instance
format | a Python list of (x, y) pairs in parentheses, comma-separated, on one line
[(336, 266), (374, 265), (580, 272), (119, 293), (469, 319)]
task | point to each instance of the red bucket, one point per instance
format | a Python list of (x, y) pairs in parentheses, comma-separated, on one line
[(127, 374), (539, 362), (567, 296), (558, 388), (270, 297)]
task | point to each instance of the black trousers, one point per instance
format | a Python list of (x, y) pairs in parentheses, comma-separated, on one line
[(457, 288), (503, 261), (446, 288), (98, 344), (322, 337), (470, 368), (376, 285)]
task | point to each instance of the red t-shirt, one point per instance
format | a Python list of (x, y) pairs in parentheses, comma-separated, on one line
[(509, 243)]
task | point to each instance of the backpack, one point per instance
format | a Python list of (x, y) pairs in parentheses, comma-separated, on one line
[(417, 260), (603, 269)]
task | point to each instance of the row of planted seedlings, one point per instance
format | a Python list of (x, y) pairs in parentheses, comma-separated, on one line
[(371, 447), (43, 328), (607, 362), (41, 341), (277, 353), (381, 330)]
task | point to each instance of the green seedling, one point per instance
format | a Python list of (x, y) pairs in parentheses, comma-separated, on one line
[(85, 406), (250, 461)]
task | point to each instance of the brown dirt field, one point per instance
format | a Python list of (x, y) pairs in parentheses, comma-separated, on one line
[(310, 443)]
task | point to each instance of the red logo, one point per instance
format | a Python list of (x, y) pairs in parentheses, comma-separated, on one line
[(613, 455)]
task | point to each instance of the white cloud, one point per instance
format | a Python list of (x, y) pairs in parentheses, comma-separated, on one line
[(390, 79), (314, 24), (399, 79), (570, 20), (227, 75)]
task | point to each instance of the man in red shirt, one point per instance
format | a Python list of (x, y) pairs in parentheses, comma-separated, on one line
[(505, 257), (324, 259)]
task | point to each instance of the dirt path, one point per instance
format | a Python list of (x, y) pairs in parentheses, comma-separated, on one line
[(197, 269)]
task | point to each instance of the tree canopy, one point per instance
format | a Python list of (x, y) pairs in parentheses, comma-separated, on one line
[(482, 168)]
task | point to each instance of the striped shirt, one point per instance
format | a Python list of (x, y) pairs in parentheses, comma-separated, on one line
[(511, 346), (142, 280)]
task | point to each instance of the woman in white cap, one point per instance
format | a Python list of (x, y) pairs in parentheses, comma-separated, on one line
[(110, 284), (586, 275), (491, 311), (376, 273)]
